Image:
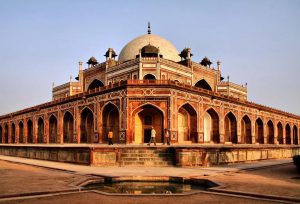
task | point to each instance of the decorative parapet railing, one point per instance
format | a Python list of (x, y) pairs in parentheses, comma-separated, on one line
[(169, 83), (233, 85)]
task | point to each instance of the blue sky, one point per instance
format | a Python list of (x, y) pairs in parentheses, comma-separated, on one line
[(258, 42)]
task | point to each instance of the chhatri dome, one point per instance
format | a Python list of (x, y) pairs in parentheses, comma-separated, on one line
[(166, 48)]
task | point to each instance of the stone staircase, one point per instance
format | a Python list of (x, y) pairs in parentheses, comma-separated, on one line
[(151, 156)]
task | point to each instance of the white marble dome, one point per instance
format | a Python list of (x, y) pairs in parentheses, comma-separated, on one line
[(167, 49)]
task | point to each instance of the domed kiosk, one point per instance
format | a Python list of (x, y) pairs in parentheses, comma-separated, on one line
[(166, 48)]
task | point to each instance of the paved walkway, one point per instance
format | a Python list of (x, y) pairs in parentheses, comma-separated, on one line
[(146, 171)]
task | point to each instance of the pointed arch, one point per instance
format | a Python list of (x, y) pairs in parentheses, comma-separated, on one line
[(270, 132), (95, 84), (53, 129), (203, 84), (110, 122), (149, 77), (280, 133), (87, 126), (246, 130), (30, 131), (259, 131), (13, 133), (288, 134), (230, 128), (68, 127), (41, 128), (211, 126), (21, 132), (187, 123), (144, 117), (6, 133), (1, 132), (295, 135)]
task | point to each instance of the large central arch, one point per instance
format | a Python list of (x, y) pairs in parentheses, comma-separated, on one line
[(110, 122), (246, 130), (146, 117), (13, 133), (40, 137), (6, 133), (68, 127), (295, 135), (87, 126), (203, 84), (270, 133), (288, 134), (95, 84), (52, 129), (230, 128), (29, 131), (187, 124), (259, 131), (211, 126), (21, 132), (1, 132), (280, 133)]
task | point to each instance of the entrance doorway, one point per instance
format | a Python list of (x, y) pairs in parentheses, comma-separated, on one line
[(147, 135)]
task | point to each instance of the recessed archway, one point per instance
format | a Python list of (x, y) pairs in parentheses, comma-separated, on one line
[(110, 122), (203, 84), (270, 133), (144, 118), (287, 134), (95, 84), (29, 131), (149, 77), (259, 131), (52, 129), (246, 136), (230, 128), (1, 132), (295, 135), (13, 133), (87, 126), (68, 127), (187, 124), (280, 133), (40, 136), (6, 133), (21, 132), (211, 126)]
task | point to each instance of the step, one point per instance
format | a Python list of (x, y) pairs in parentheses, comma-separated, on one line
[(145, 155), (145, 151), (141, 163), (146, 159)]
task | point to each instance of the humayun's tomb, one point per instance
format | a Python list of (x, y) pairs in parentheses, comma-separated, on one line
[(149, 83)]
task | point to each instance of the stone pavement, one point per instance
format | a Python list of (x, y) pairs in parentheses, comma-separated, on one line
[(145, 171)]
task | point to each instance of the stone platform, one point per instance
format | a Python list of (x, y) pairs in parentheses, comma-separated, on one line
[(156, 156)]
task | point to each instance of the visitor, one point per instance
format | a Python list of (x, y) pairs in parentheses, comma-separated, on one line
[(110, 137), (167, 136), (153, 134)]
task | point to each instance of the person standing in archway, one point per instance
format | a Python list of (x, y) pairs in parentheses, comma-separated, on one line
[(167, 136), (110, 137), (153, 135)]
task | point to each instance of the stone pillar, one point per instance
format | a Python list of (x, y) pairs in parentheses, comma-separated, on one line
[(222, 129), (46, 129), (265, 133), (276, 134), (25, 132), (60, 128), (239, 129), (284, 134), (9, 133), (77, 124), (17, 133), (200, 123), (253, 132), (35, 129), (99, 122)]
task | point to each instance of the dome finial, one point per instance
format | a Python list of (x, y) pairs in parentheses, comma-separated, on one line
[(149, 28)]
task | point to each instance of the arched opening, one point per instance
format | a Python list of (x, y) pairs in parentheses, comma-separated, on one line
[(40, 136), (149, 77), (270, 133), (21, 132), (95, 84), (246, 130), (110, 122), (52, 129), (280, 133), (230, 128), (29, 131), (1, 138), (295, 135), (6, 134), (259, 131), (144, 119), (187, 124), (211, 126), (68, 128), (287, 134), (13, 133), (203, 84), (87, 126)]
